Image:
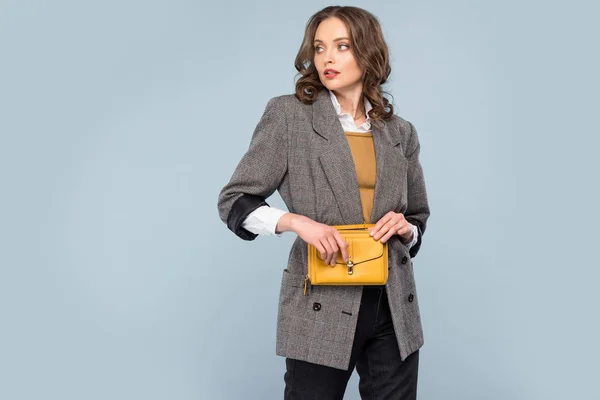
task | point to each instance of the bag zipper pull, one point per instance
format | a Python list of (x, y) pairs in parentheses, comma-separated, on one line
[(305, 284)]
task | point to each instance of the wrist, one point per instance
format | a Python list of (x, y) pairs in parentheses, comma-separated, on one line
[(287, 222)]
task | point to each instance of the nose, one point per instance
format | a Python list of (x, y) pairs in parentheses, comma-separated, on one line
[(329, 57)]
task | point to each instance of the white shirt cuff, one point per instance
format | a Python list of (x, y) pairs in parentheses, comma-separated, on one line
[(263, 221), (415, 236)]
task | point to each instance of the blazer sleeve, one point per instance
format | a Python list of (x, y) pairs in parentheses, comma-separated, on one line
[(417, 211), (259, 172)]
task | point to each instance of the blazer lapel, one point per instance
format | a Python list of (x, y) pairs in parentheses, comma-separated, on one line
[(391, 172), (338, 164)]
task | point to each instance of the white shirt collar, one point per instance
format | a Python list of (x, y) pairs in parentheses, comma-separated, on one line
[(347, 119)]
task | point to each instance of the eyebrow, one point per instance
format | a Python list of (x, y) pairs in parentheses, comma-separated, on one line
[(335, 40)]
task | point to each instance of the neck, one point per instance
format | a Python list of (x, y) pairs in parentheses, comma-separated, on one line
[(351, 101)]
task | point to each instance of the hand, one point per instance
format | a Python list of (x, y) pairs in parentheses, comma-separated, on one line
[(326, 239), (391, 224)]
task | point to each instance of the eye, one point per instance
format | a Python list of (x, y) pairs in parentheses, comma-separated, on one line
[(318, 47)]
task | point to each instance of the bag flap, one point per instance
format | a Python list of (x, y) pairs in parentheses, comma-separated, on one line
[(362, 248)]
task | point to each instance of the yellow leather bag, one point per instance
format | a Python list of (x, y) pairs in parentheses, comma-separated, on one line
[(367, 260)]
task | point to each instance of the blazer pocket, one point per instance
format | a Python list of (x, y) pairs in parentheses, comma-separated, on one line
[(295, 310), (293, 279)]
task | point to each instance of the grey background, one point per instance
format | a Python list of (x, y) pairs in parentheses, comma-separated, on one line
[(119, 281)]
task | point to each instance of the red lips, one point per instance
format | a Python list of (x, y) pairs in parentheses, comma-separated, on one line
[(328, 70)]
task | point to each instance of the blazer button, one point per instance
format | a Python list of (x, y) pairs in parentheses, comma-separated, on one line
[(316, 306), (404, 260), (411, 298)]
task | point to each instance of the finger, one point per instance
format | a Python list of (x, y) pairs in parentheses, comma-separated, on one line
[(343, 245), (385, 227), (339, 244), (380, 224), (334, 247), (328, 249), (382, 232), (405, 229), (322, 250), (390, 225), (391, 232)]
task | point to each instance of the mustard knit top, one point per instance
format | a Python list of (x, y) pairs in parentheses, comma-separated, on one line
[(363, 153)]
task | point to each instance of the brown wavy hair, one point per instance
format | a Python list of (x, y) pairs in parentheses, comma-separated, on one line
[(369, 49)]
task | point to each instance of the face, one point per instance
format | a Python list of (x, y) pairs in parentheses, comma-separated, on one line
[(333, 50)]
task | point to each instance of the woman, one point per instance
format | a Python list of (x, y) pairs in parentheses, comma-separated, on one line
[(338, 154)]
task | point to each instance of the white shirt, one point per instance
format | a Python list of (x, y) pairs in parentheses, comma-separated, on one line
[(263, 220)]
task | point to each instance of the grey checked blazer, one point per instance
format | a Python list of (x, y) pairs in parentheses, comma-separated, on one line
[(302, 152)]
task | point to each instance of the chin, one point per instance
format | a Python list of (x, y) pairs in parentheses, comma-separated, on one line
[(333, 86)]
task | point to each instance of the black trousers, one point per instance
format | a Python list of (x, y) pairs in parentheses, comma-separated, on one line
[(375, 353)]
